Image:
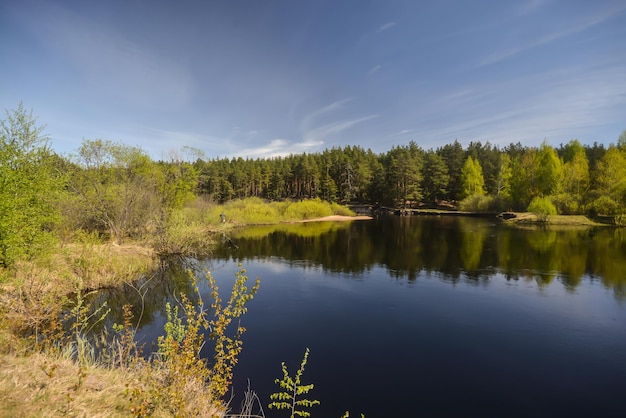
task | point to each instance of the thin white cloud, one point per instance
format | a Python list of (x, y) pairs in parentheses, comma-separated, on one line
[(321, 133), (278, 148), (308, 120), (551, 37), (374, 69), (559, 106), (530, 6), (385, 26)]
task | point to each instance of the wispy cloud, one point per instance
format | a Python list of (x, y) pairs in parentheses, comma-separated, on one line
[(559, 105), (278, 148), (402, 132), (374, 69), (530, 6), (321, 133), (551, 37), (327, 121), (309, 119), (385, 26)]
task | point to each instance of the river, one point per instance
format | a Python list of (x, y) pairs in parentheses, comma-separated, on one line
[(428, 316)]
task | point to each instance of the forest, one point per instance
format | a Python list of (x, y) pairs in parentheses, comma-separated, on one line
[(117, 189), (576, 178)]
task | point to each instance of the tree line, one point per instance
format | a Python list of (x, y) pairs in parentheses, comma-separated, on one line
[(119, 190), (575, 178)]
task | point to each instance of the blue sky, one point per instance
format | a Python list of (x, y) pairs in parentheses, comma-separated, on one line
[(263, 78)]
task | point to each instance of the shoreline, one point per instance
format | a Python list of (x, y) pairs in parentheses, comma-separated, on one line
[(335, 218)]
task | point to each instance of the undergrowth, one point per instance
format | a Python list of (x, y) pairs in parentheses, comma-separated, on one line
[(256, 211), (173, 381)]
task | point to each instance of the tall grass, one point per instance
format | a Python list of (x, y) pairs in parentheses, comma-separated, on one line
[(256, 211)]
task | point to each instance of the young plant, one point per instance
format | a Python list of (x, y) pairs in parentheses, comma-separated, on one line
[(227, 348), (292, 389)]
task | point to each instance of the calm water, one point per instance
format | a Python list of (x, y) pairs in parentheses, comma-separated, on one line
[(430, 317)]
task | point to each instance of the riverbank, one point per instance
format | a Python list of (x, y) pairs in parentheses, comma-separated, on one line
[(510, 217), (336, 218)]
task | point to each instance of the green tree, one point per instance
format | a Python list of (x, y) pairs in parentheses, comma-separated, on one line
[(404, 165), (610, 182), (29, 187), (453, 155), (503, 182), (549, 170), (621, 141), (118, 187), (524, 178), (435, 177), (489, 158), (472, 180), (575, 178)]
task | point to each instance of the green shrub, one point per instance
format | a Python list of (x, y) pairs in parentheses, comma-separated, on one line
[(542, 207), (341, 210), (603, 205), (307, 209), (566, 204), (256, 211), (475, 203)]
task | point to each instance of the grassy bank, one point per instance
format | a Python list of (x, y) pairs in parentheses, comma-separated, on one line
[(255, 211), (48, 365)]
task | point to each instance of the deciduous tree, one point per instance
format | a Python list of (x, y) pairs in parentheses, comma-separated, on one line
[(29, 186)]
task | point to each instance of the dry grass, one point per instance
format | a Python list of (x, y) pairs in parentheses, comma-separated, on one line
[(39, 385), (33, 294), (44, 385)]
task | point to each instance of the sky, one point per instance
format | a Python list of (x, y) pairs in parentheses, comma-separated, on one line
[(258, 79)]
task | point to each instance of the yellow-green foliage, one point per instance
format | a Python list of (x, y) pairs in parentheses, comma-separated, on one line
[(227, 348), (307, 209), (248, 211), (255, 211), (179, 359), (292, 389), (475, 203), (542, 207), (186, 384), (341, 210), (185, 233)]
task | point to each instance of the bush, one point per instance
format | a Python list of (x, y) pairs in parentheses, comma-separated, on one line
[(340, 210), (307, 209), (476, 203), (542, 207), (566, 204), (603, 205)]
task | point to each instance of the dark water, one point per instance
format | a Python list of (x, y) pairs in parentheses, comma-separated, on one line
[(431, 317)]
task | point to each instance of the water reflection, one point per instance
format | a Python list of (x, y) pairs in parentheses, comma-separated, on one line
[(453, 247), (503, 321)]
